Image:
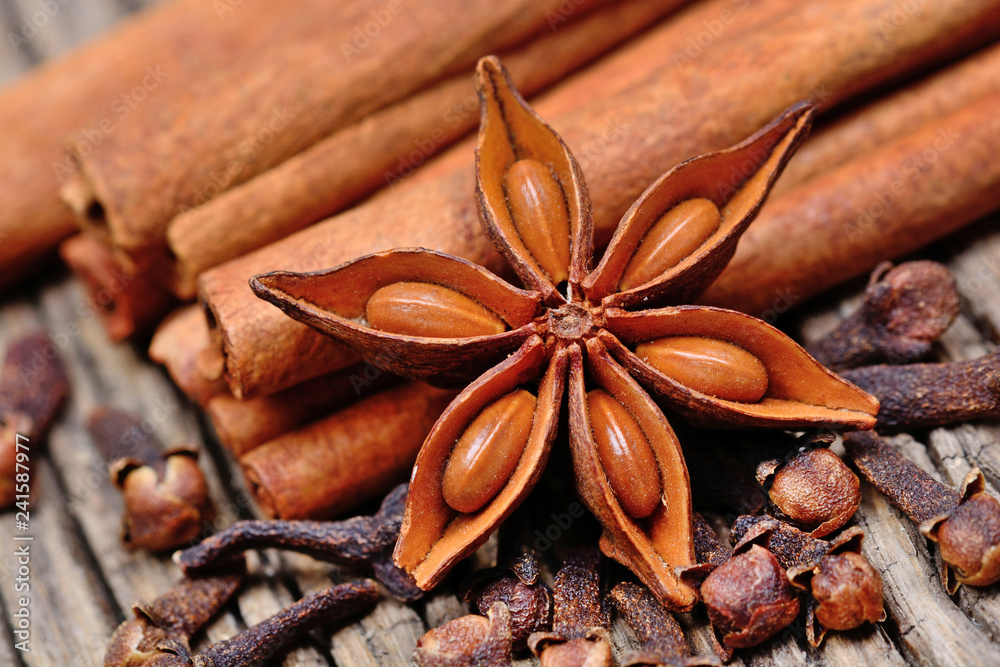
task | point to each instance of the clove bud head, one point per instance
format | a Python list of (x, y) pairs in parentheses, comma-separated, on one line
[(970, 540), (530, 606), (468, 641), (163, 509), (848, 592), (749, 598), (816, 490)]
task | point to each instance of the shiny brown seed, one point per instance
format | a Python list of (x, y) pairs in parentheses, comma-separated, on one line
[(488, 452), (626, 456), (675, 236), (713, 367), (425, 309), (538, 207)]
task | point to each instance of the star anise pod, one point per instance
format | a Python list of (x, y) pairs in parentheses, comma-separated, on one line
[(591, 334)]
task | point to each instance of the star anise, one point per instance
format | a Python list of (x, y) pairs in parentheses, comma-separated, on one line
[(590, 334)]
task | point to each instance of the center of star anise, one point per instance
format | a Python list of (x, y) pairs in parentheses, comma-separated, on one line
[(571, 322)]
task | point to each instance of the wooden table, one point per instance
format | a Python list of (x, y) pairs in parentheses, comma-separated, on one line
[(83, 582)]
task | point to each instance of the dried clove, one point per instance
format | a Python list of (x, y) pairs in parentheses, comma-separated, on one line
[(579, 635), (748, 599), (528, 599), (166, 497), (709, 551), (33, 387), (469, 641), (905, 310), (846, 590), (363, 541), (152, 638), (919, 395), (657, 630), (813, 490), (259, 643), (965, 523)]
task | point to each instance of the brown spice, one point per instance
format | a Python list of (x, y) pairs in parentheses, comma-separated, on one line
[(748, 599), (174, 42), (966, 524), (33, 388), (889, 117), (356, 454), (658, 632), (171, 619), (906, 309), (846, 590), (553, 333), (921, 395), (263, 353), (517, 585), (362, 542), (254, 646), (166, 497), (127, 302), (709, 551), (181, 343), (789, 257), (245, 425), (319, 182), (579, 635), (468, 641), (814, 490), (236, 122)]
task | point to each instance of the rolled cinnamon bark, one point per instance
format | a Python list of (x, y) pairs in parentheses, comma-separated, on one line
[(101, 87), (351, 456), (329, 176), (893, 116), (127, 302), (229, 125), (878, 206), (693, 99), (243, 425), (182, 344)]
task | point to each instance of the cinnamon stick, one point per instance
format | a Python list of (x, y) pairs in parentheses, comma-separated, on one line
[(354, 455), (101, 87), (878, 206), (233, 123), (327, 177), (127, 302), (181, 343), (893, 116), (683, 106), (243, 425)]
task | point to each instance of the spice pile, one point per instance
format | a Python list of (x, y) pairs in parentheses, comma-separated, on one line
[(568, 360)]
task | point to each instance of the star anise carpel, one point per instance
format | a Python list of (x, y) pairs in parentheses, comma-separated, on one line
[(594, 336)]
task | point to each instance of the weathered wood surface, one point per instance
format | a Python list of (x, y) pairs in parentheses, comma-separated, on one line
[(84, 582)]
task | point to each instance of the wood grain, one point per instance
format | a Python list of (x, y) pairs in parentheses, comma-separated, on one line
[(83, 581)]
